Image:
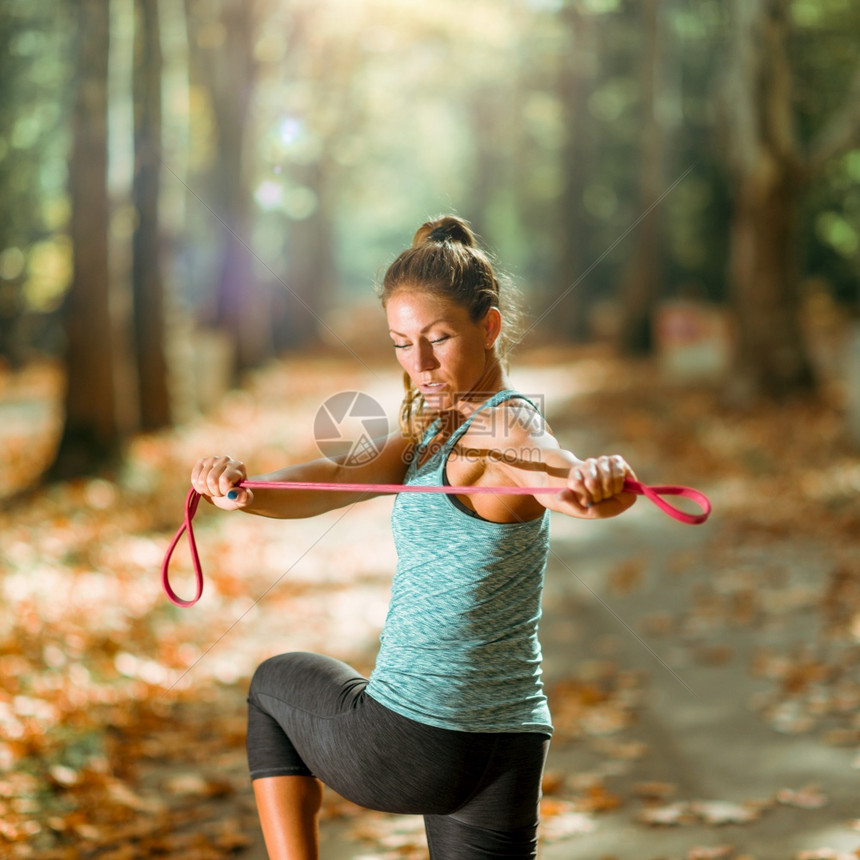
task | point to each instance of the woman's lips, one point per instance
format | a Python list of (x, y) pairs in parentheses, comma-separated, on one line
[(431, 387)]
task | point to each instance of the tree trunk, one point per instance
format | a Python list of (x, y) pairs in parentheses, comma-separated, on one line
[(91, 435), (771, 358), (146, 275), (309, 289), (488, 167), (642, 278), (243, 306), (771, 355), (222, 66), (311, 278), (574, 88)]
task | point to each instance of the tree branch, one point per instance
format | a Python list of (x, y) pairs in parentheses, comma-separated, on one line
[(841, 132)]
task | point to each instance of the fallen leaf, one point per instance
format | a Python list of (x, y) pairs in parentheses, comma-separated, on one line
[(842, 737), (626, 750), (669, 815), (715, 654), (596, 798), (626, 576), (654, 790), (561, 820), (63, 776), (88, 831), (658, 624), (716, 852), (720, 812), (119, 792), (195, 785), (809, 797), (553, 782), (826, 854)]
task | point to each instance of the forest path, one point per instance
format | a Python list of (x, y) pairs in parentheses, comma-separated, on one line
[(702, 679)]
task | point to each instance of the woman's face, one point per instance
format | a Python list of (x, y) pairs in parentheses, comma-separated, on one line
[(438, 345)]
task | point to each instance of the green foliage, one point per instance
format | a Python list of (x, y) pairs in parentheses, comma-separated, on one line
[(375, 114), (824, 61), (34, 99)]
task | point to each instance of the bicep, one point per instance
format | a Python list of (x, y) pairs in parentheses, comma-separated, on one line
[(537, 460), (526, 458)]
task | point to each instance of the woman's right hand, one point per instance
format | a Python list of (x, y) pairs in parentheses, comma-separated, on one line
[(216, 477)]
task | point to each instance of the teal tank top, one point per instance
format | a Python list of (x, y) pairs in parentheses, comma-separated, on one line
[(459, 649)]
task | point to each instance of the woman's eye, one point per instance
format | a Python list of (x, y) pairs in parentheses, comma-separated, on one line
[(434, 341)]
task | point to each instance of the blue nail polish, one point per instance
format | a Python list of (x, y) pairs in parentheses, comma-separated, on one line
[(233, 495)]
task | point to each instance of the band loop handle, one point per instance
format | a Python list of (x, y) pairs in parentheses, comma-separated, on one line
[(192, 500), (655, 494)]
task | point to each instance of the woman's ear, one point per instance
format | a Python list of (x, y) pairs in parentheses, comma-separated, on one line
[(492, 324)]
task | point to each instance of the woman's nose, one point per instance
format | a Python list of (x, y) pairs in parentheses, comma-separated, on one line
[(423, 357)]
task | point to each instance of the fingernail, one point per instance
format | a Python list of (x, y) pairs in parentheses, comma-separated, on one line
[(233, 495)]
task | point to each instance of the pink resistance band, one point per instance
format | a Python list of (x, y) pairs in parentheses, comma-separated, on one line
[(192, 500)]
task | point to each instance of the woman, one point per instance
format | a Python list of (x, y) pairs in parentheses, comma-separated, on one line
[(453, 723)]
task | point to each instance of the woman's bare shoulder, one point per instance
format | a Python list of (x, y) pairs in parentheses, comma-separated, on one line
[(511, 422)]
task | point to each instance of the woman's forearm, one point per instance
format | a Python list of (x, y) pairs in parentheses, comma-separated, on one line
[(283, 503)]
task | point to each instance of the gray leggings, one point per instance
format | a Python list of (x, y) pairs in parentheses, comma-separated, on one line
[(309, 715)]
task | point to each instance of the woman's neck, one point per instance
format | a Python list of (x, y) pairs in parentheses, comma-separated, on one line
[(491, 381)]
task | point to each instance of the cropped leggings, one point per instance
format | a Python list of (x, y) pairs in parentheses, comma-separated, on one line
[(309, 715)]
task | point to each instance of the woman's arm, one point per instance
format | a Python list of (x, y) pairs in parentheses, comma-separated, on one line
[(215, 478), (526, 453)]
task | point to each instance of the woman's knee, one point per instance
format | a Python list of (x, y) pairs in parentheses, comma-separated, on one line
[(276, 675), (304, 669), (451, 839)]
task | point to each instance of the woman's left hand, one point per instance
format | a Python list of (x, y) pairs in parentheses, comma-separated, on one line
[(598, 479)]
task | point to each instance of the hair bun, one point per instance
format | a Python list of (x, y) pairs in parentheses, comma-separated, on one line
[(447, 228)]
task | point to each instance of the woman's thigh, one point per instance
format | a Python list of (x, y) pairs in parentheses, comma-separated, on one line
[(367, 753)]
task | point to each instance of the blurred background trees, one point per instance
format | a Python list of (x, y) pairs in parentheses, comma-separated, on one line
[(203, 185), (92, 428)]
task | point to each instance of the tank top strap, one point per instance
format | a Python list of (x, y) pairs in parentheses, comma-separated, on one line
[(495, 400)]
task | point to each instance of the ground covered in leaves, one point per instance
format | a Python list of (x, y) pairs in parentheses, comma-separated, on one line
[(687, 668)]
